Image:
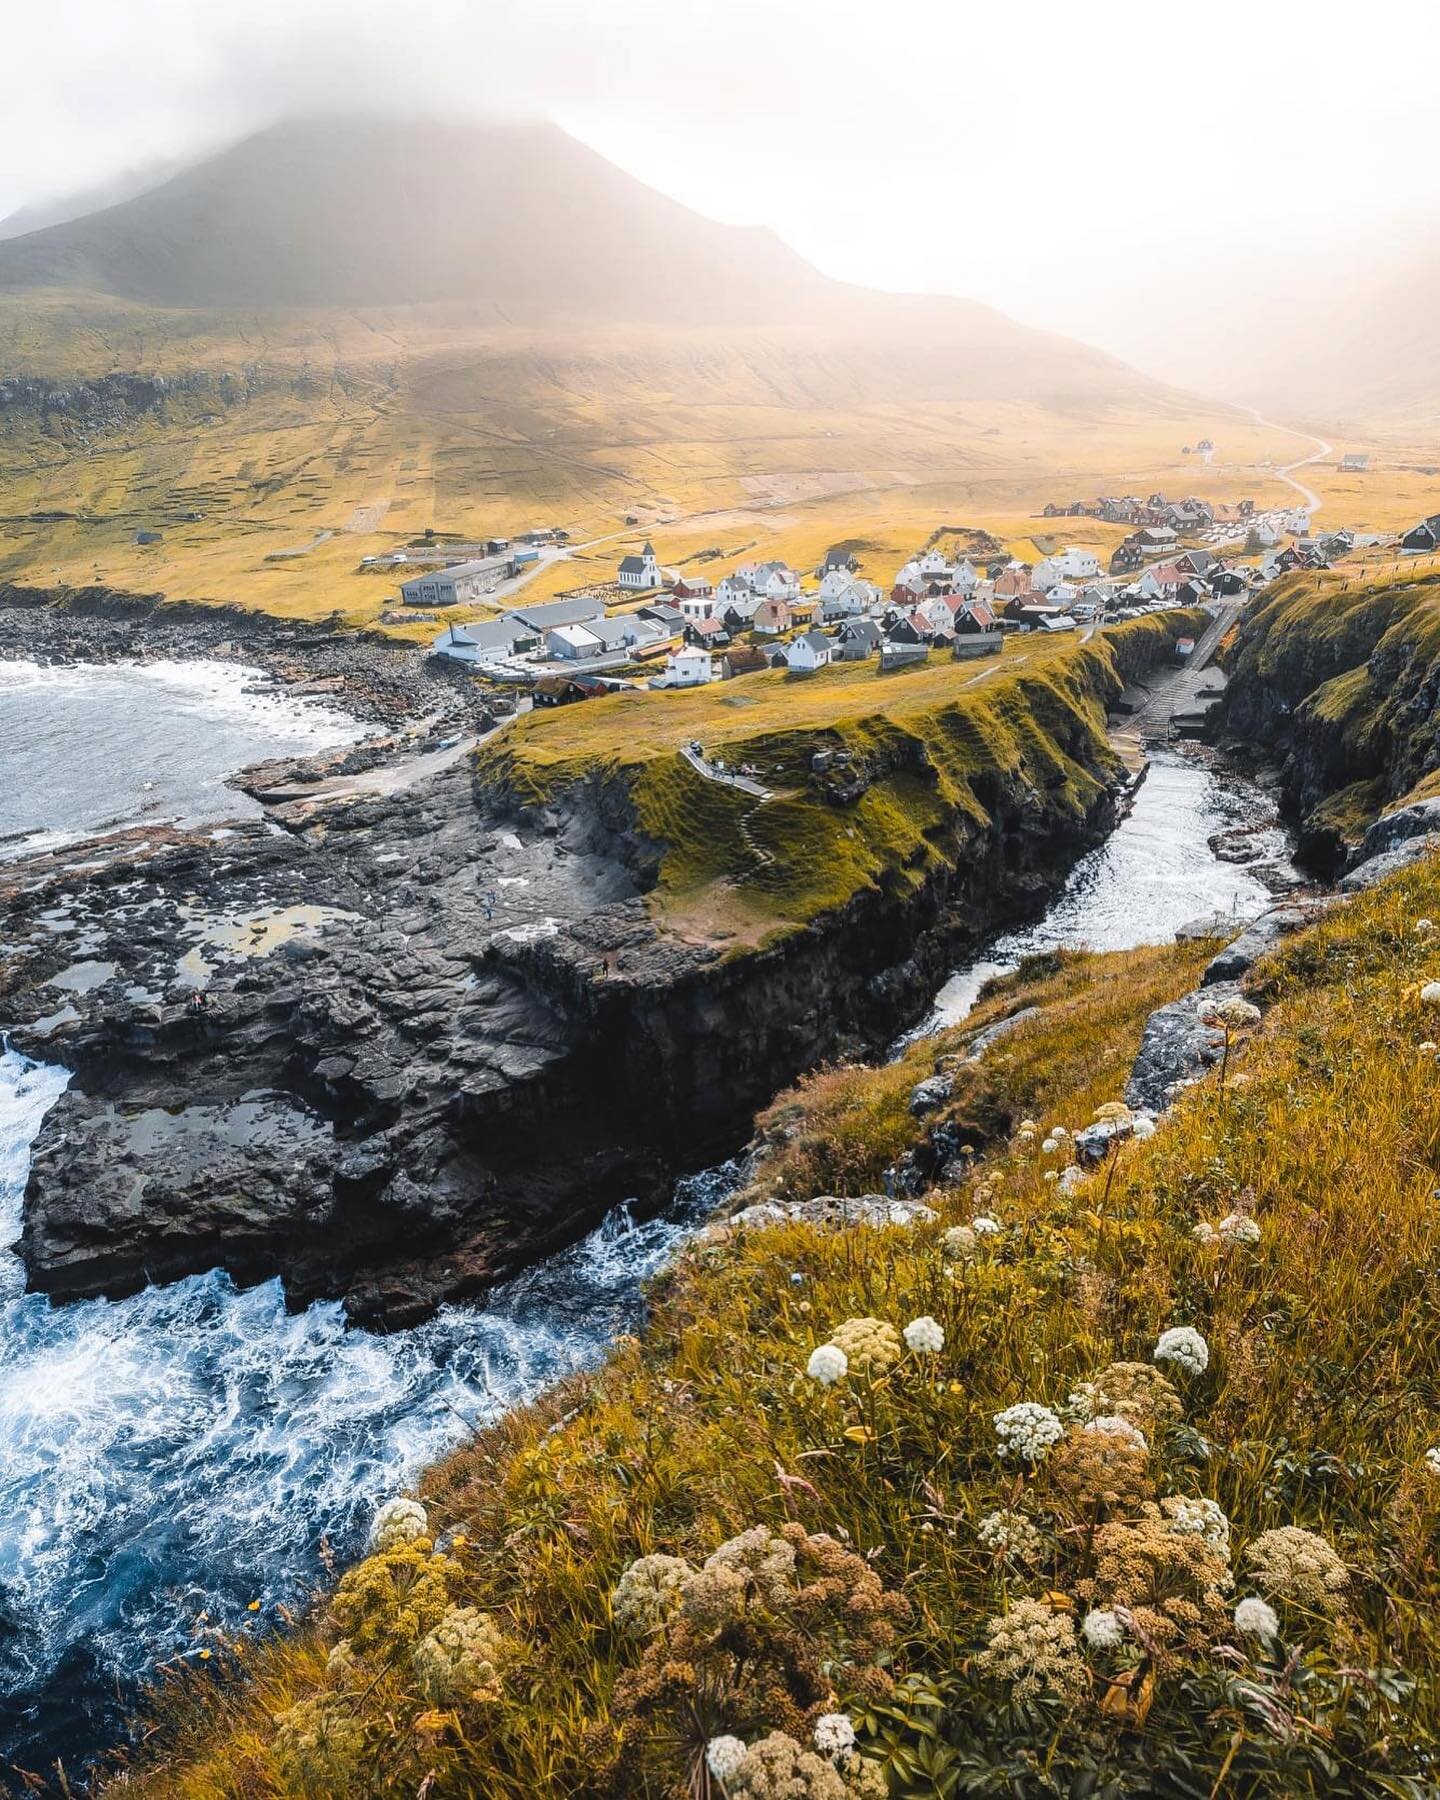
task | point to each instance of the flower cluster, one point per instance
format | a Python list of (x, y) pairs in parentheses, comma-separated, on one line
[(1298, 1566), (648, 1592), (1034, 1650), (1113, 1425), (983, 1225), (778, 1768), (1432, 1460), (1202, 1517), (393, 1598), (1132, 1391), (1102, 1469), (1009, 1533), (1184, 1345), (319, 1744), (399, 1522), (1173, 1583), (828, 1364), (1253, 1618), (1239, 1228), (925, 1336), (1234, 1014), (1103, 1629), (959, 1243), (1027, 1431), (870, 1346), (834, 1735), (461, 1658)]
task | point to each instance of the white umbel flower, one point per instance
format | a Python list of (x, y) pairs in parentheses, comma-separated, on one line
[(834, 1735), (1240, 1228), (1112, 1425), (1027, 1431), (723, 1757), (1184, 1345), (985, 1226), (1199, 1518), (1103, 1629), (399, 1522), (1430, 993), (1204, 1232), (958, 1242), (1424, 927), (1143, 1129), (828, 1364), (1254, 1618), (1432, 1460), (925, 1336)]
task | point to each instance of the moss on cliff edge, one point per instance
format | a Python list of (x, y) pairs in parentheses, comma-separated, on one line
[(936, 746), (1343, 673)]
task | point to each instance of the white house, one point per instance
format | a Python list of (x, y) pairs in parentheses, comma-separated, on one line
[(696, 606), (836, 583), (845, 599), (686, 668), (1045, 574), (478, 645), (640, 573), (732, 589), (966, 577), (810, 651), (780, 584), (933, 565), (1077, 564), (1061, 593)]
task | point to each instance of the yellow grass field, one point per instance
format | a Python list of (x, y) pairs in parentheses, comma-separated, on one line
[(352, 436)]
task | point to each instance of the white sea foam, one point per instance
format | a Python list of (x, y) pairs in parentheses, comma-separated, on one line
[(187, 1449)]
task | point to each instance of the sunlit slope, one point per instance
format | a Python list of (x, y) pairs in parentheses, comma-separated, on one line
[(369, 330)]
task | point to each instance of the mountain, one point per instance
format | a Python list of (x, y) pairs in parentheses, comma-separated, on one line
[(518, 223), (120, 187)]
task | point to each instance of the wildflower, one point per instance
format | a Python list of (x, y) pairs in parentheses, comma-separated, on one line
[(1112, 1425), (1298, 1566), (1430, 993), (777, 1768), (723, 1757), (985, 1226), (834, 1735), (870, 1345), (1235, 1014), (1253, 1618), (1052, 1174), (393, 1598), (1184, 1345), (1072, 1179), (1204, 1232), (1113, 1112), (1027, 1430), (1029, 1125), (1011, 1534), (1049, 1147), (827, 1365), (1034, 1649), (319, 1744), (759, 1557), (1201, 1517), (1133, 1390), (1059, 1132), (461, 1658), (1173, 1583), (340, 1663), (399, 1522), (1240, 1228), (925, 1336), (1432, 1460), (1102, 1469), (1103, 1629), (958, 1242), (1142, 1128), (1424, 927), (647, 1592), (1428, 1048)]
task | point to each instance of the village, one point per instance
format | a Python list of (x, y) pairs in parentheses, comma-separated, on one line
[(662, 627)]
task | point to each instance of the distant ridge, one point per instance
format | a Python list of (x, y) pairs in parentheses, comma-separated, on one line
[(528, 230)]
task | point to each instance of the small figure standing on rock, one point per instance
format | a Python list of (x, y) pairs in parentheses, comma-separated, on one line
[(197, 1008)]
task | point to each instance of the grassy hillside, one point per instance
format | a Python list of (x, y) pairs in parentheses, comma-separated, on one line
[(1228, 1587), (940, 743)]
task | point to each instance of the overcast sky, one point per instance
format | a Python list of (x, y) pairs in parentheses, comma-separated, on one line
[(1089, 168)]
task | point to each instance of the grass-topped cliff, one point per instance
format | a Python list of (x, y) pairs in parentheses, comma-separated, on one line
[(1200, 1561), (939, 746), (1342, 672)]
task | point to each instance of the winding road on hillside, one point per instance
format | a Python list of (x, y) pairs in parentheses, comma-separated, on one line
[(1287, 471)]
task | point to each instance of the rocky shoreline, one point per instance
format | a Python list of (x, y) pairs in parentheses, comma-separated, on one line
[(440, 1035)]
